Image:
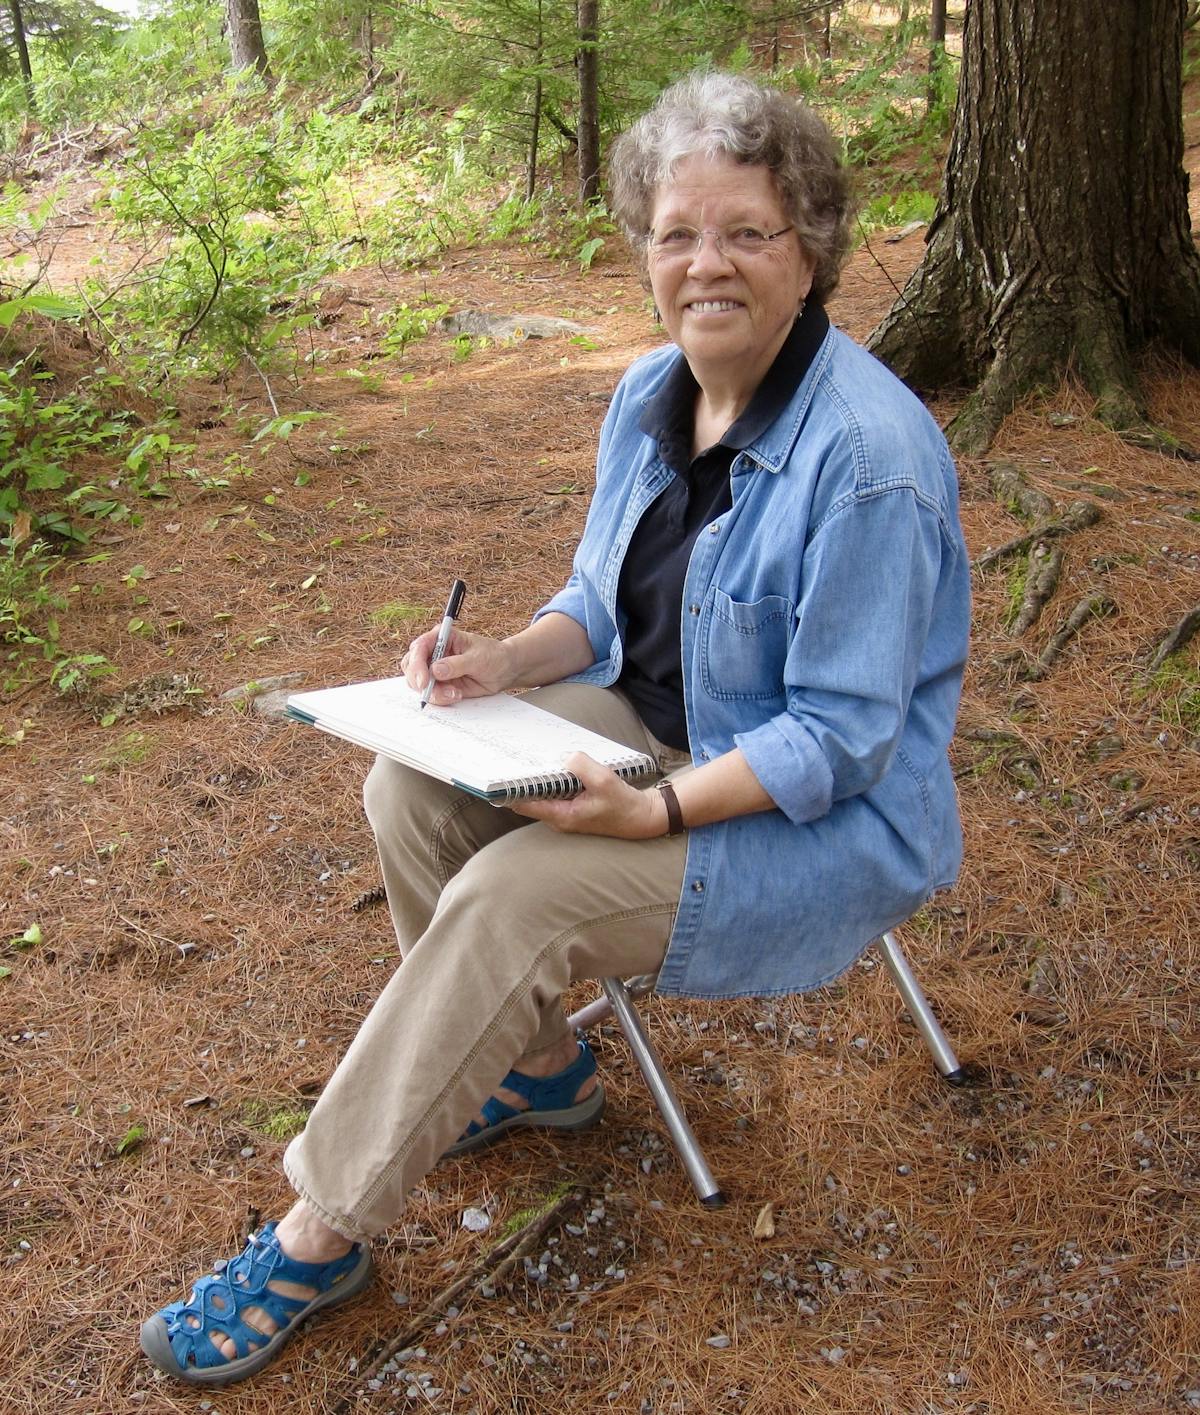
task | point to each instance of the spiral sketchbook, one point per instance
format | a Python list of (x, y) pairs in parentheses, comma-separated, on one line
[(501, 748)]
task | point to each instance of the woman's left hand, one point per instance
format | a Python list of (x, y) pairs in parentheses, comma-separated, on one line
[(606, 805)]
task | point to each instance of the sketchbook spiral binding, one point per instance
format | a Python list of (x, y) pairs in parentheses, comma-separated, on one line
[(558, 785)]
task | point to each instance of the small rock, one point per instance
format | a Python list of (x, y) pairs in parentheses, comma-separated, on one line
[(834, 1354), (508, 326), (764, 1224), (1110, 745), (476, 1220), (718, 1342), (271, 705), (258, 686)]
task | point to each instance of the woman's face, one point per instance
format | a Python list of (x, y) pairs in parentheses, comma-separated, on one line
[(729, 309)]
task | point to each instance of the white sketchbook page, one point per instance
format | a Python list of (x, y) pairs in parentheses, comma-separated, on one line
[(486, 743)]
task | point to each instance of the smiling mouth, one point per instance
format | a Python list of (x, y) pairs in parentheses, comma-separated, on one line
[(714, 306)]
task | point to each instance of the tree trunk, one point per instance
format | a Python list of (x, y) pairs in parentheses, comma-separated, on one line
[(534, 135), (246, 38), (1062, 234), (535, 127), (366, 39), (937, 51), (23, 53), (589, 101)]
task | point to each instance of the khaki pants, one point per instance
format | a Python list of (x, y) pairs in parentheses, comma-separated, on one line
[(495, 916)]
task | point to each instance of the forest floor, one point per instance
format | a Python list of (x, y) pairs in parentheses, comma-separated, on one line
[(1028, 1242)]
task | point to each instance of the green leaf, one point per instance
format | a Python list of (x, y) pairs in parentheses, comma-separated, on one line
[(588, 252), (132, 1138), (29, 939), (52, 306)]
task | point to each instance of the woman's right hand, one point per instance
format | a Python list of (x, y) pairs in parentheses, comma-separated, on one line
[(473, 666)]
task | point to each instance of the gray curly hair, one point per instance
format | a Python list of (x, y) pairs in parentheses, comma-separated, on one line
[(724, 114)]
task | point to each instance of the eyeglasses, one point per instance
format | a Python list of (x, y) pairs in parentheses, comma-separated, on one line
[(684, 242)]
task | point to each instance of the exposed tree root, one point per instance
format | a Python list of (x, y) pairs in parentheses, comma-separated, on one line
[(1176, 638), (1077, 517), (1158, 439), (1015, 493), (1040, 584), (1094, 606)]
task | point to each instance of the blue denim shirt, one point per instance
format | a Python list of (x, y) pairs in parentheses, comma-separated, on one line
[(824, 632)]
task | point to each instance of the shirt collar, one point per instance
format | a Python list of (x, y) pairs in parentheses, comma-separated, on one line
[(669, 417)]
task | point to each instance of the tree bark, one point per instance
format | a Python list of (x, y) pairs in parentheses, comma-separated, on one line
[(1062, 235), (589, 101), (246, 47), (23, 53)]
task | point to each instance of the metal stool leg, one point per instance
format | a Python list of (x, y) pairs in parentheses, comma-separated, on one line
[(920, 1011), (618, 1001)]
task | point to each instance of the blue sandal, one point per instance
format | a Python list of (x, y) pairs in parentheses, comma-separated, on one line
[(187, 1351), (551, 1105)]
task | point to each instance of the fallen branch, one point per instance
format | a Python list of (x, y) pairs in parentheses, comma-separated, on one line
[(491, 1269), (1040, 584), (910, 229), (1077, 517), (1096, 606), (1175, 639)]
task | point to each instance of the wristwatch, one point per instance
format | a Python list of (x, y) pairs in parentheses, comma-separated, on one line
[(675, 825)]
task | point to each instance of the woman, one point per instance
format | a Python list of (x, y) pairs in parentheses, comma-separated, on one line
[(770, 597)]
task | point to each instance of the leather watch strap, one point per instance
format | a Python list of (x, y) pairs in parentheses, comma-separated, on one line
[(675, 825)]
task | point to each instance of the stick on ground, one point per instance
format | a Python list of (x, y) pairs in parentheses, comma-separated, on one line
[(494, 1266)]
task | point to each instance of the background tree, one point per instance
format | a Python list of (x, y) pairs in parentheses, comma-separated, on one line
[(937, 47), (521, 68), (246, 47), (22, 46), (1062, 236), (588, 63)]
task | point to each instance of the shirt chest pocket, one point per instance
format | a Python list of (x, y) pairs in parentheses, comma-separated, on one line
[(743, 646)]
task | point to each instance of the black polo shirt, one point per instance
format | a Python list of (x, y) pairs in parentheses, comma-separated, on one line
[(650, 590)]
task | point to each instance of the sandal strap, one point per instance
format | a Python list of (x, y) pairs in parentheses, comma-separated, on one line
[(493, 1111), (219, 1299), (551, 1092), (555, 1092)]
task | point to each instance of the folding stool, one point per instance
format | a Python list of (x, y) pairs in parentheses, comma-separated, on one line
[(618, 1000)]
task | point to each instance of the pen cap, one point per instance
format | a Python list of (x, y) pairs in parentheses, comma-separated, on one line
[(454, 603)]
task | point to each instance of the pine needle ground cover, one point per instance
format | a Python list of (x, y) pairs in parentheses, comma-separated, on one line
[(185, 961)]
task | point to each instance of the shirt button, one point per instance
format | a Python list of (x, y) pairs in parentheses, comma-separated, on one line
[(704, 756), (697, 886), (693, 609), (714, 529)]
